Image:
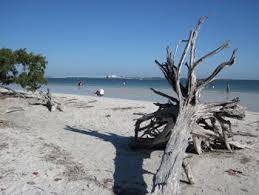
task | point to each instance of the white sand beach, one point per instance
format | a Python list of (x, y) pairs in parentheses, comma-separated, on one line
[(85, 150)]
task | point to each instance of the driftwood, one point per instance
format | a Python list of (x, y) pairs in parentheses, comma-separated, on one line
[(185, 117), (51, 103), (46, 99), (19, 94), (14, 109)]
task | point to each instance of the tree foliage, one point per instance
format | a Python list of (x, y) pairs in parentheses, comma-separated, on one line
[(23, 68)]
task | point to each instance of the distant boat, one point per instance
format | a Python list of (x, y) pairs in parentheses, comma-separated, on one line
[(112, 76)]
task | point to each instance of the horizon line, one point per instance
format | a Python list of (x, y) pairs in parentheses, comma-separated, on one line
[(133, 77)]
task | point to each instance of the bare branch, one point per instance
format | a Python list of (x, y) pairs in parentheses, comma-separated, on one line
[(191, 83), (217, 70), (194, 37), (19, 94), (165, 95), (186, 49), (178, 84), (168, 53), (176, 48), (158, 63), (215, 51), (170, 71), (196, 32), (200, 22), (188, 172)]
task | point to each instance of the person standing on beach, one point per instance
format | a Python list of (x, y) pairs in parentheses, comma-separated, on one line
[(80, 83), (228, 89)]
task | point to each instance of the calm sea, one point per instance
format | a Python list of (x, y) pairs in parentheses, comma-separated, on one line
[(251, 86), (139, 89)]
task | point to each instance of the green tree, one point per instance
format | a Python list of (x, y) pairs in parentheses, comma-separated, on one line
[(23, 68), (8, 69)]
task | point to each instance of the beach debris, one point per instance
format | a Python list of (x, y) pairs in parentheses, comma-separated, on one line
[(57, 179), (35, 173), (4, 123), (244, 190), (244, 134), (13, 92), (84, 106), (184, 119), (3, 146), (31, 182), (51, 103), (14, 109), (233, 172), (127, 108), (39, 188), (245, 160), (46, 99), (187, 170), (80, 104), (92, 101), (139, 113)]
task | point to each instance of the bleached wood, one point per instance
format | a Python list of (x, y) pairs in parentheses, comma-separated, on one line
[(188, 171), (184, 117)]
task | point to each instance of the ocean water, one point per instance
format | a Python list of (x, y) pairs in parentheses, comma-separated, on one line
[(139, 89), (251, 86)]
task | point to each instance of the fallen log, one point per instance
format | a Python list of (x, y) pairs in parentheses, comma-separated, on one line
[(47, 100)]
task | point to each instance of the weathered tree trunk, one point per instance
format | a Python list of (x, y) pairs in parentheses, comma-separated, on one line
[(167, 177), (47, 100), (51, 103), (185, 117), (19, 94)]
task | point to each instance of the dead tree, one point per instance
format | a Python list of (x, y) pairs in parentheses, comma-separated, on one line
[(46, 99), (186, 117), (11, 91)]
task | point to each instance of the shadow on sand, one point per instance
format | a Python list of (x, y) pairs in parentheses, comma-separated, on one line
[(128, 174)]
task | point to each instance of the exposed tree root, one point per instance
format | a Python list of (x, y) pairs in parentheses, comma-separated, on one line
[(184, 118)]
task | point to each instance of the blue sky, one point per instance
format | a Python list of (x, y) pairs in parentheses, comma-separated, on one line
[(124, 37)]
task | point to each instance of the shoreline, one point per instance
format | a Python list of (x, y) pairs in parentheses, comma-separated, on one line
[(248, 100)]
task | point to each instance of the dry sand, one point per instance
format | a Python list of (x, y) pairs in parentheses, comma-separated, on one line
[(85, 150)]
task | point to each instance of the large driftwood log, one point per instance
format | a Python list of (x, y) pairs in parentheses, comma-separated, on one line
[(50, 102), (19, 94), (47, 100), (185, 117)]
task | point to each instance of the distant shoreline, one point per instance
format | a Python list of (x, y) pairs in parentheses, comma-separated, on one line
[(145, 78)]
